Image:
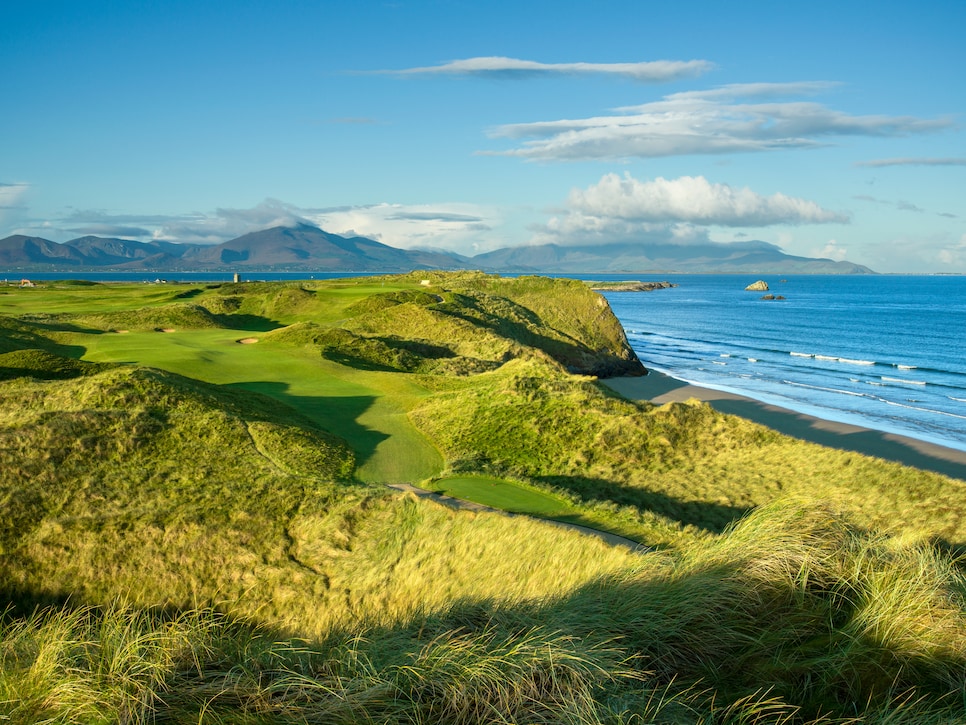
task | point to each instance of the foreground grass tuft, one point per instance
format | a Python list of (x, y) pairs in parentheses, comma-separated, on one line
[(793, 616)]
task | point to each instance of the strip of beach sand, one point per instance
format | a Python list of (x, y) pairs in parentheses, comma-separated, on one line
[(659, 388)]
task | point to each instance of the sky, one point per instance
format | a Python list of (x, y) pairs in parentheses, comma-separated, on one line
[(830, 129)]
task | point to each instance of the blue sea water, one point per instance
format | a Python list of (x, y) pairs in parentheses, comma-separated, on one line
[(882, 351)]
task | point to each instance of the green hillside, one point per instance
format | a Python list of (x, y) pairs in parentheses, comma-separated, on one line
[(194, 525)]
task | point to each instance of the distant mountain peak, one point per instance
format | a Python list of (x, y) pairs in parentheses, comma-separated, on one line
[(306, 247)]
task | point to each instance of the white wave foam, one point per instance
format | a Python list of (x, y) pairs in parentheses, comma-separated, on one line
[(958, 400), (725, 354), (752, 359), (833, 358), (827, 390), (906, 367), (903, 382), (921, 409)]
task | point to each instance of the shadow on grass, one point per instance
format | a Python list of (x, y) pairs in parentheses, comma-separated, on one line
[(20, 336), (255, 323), (712, 517), (714, 630), (336, 414)]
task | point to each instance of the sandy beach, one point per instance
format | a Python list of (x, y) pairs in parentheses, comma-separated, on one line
[(659, 388)]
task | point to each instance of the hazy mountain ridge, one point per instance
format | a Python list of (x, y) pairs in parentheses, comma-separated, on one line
[(308, 248)]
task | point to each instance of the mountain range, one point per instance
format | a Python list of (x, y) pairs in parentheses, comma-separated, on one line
[(307, 248)]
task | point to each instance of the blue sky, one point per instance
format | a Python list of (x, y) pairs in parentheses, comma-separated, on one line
[(828, 128)]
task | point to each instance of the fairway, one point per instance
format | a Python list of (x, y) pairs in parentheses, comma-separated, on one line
[(370, 417)]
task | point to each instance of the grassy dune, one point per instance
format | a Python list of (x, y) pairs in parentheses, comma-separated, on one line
[(193, 526)]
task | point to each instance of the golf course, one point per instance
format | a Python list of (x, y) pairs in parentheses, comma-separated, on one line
[(212, 511)]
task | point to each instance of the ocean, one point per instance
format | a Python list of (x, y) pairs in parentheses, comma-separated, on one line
[(881, 351)]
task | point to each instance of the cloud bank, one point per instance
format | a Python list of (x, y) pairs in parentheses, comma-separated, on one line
[(465, 228), (657, 71), (671, 211), (731, 119), (694, 200)]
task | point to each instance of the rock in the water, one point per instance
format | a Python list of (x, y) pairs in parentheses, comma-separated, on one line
[(759, 286)]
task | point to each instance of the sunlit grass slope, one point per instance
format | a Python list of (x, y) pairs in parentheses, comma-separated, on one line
[(188, 476), (686, 463), (791, 617), (170, 492)]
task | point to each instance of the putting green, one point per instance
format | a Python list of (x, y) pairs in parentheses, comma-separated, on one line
[(506, 495)]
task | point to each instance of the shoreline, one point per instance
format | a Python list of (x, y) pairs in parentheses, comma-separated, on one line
[(660, 388)]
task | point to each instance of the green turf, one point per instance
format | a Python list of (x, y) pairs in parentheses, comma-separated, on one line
[(366, 410), (502, 494)]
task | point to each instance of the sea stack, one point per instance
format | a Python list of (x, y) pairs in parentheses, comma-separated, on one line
[(759, 286)]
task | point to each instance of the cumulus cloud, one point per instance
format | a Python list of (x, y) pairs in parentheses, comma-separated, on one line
[(831, 250), (465, 228), (500, 67), (954, 255), (731, 119), (694, 200), (950, 161), (620, 209)]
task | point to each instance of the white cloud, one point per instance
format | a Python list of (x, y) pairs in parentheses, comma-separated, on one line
[(682, 211), (693, 200), (831, 250), (948, 161), (715, 121), (954, 256), (501, 67), (464, 228)]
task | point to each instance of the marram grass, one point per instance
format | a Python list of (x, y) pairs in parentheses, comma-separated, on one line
[(784, 619), (266, 577)]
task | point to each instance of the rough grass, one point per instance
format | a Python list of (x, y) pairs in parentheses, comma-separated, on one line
[(793, 616), (171, 492), (220, 497), (684, 462)]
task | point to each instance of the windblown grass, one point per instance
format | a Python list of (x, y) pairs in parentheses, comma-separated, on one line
[(227, 498), (778, 621), (684, 462)]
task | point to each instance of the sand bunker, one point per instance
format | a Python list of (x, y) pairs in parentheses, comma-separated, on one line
[(248, 340)]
